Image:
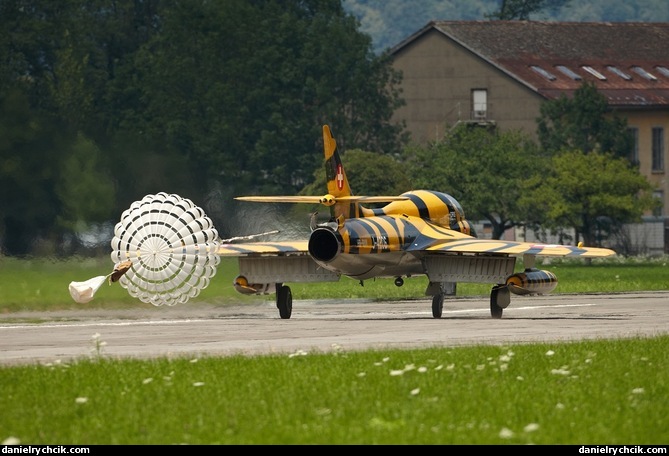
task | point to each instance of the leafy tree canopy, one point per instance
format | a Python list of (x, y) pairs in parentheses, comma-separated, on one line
[(583, 122), (593, 193), (192, 97), (483, 169)]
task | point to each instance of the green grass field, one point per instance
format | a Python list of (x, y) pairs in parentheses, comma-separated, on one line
[(599, 392), (43, 284), (593, 392)]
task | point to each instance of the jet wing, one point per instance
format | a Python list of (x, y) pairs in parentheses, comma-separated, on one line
[(475, 245), (264, 248)]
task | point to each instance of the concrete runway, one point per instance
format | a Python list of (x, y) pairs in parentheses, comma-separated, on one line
[(193, 330)]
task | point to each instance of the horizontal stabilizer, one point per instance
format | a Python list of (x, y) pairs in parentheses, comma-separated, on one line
[(327, 200), (281, 199), (264, 248)]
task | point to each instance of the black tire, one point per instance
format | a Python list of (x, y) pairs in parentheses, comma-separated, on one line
[(284, 301), (437, 305), (495, 310)]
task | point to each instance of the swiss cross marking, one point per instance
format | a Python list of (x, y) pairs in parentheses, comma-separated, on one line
[(340, 177)]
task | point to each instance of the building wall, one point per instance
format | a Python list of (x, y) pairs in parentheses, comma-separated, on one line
[(438, 78), (645, 121)]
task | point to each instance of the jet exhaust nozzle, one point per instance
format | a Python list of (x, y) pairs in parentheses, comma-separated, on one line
[(324, 244)]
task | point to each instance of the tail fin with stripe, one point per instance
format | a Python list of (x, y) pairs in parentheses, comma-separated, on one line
[(338, 185)]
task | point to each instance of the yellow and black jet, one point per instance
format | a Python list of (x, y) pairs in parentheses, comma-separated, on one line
[(421, 232)]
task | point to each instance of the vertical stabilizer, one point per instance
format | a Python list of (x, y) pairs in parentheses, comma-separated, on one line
[(336, 177)]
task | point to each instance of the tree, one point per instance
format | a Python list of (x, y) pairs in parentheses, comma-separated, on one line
[(589, 194), (593, 193), (522, 9), (483, 169), (583, 122), (369, 173), (194, 96), (31, 148), (87, 192), (243, 88)]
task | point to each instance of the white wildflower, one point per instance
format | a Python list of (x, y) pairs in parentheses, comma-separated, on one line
[(298, 353), (560, 372), (531, 427), (505, 433)]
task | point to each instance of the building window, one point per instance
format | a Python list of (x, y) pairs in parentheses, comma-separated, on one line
[(634, 153), (479, 104), (619, 72), (594, 72), (663, 70), (543, 72), (568, 72), (641, 72), (658, 149), (659, 211)]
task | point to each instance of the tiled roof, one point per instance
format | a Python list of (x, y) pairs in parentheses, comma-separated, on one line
[(517, 46)]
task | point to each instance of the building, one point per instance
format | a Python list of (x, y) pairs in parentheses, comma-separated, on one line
[(500, 72)]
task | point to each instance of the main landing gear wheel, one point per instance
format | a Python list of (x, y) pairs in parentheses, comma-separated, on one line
[(437, 305), (500, 297), (284, 301)]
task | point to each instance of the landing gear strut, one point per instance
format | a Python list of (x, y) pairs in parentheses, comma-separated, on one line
[(284, 300)]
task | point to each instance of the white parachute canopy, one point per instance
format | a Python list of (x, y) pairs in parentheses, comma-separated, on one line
[(172, 245), (165, 252)]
